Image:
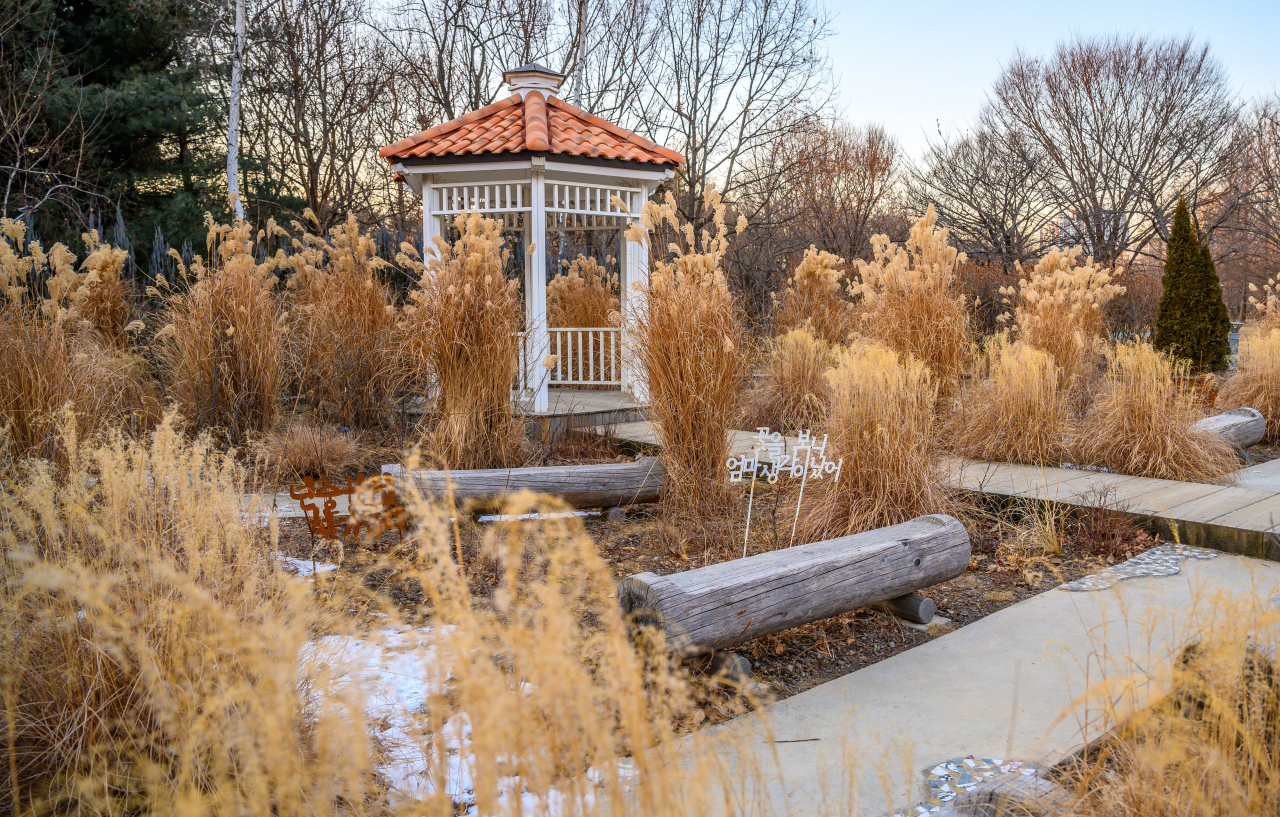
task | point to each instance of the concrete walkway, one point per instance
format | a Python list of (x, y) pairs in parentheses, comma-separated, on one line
[(1003, 687), (1263, 477)]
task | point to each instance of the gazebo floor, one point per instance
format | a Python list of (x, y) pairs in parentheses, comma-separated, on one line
[(574, 408)]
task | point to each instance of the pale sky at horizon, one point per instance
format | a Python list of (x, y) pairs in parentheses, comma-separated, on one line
[(910, 65)]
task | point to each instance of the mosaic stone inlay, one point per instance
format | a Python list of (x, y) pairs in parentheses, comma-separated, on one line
[(946, 780), (1161, 560)]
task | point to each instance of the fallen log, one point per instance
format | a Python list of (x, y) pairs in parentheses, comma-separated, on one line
[(721, 605), (582, 486), (1241, 427)]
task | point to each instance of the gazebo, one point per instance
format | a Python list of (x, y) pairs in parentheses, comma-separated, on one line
[(550, 171)]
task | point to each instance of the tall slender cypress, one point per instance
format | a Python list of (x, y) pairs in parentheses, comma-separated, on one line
[(1192, 321)]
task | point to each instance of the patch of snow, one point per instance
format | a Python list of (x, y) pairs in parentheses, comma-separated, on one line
[(304, 567)]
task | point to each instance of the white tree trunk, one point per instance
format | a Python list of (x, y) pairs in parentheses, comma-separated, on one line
[(233, 118)]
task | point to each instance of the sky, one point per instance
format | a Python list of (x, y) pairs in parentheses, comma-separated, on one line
[(915, 66)]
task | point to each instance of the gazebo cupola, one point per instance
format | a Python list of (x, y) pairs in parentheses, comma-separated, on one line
[(550, 171)]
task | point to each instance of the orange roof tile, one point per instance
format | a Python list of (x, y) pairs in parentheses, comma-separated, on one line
[(534, 123)]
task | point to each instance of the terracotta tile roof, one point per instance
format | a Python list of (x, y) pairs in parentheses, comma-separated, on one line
[(534, 123)]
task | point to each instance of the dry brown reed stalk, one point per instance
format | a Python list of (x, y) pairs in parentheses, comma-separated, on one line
[(793, 394), (880, 420), (693, 348), (1256, 382), (1140, 422), (341, 343), (910, 300), (1060, 310), (814, 299), (52, 352), (1195, 738), (1266, 308), (307, 449), (150, 660), (585, 296), (1016, 408), (461, 344), (222, 347)]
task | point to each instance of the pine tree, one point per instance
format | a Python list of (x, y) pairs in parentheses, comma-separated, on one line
[(1192, 321)]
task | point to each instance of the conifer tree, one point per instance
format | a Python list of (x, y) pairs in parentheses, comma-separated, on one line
[(1192, 321)]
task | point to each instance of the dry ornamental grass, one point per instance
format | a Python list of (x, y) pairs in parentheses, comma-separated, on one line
[(585, 296), (814, 301), (1256, 382), (880, 420), (692, 345), (461, 343), (793, 394), (910, 300), (1016, 408), (1140, 422)]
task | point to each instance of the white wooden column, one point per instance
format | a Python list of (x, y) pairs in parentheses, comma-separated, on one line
[(535, 287), (430, 221), (634, 278)]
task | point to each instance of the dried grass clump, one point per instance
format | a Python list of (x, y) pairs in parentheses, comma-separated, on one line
[(1140, 422), (793, 395), (813, 299), (341, 343), (149, 661), (880, 420), (461, 344), (910, 300), (1266, 308), (52, 353), (1207, 746), (222, 348), (1016, 409), (308, 450), (1060, 310), (1256, 382), (585, 296), (692, 347)]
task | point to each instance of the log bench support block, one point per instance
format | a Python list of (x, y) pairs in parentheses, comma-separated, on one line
[(1241, 427), (722, 605)]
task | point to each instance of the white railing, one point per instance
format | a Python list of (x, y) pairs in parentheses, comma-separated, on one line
[(490, 197), (581, 356)]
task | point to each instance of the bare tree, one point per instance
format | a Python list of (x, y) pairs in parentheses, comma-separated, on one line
[(318, 80), (44, 131), (726, 80), (1127, 124), (989, 190)]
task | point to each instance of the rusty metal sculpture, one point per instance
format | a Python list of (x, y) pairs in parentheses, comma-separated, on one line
[(372, 505)]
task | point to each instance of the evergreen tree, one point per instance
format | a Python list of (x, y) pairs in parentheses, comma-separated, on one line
[(1192, 321)]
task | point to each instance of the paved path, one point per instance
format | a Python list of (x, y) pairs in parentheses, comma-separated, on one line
[(1003, 687), (1244, 518)]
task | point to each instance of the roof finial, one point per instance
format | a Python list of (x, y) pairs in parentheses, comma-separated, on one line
[(532, 77)]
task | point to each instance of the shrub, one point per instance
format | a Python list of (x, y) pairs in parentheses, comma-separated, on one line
[(309, 450), (585, 296), (911, 302), (1192, 320), (813, 299), (1015, 410), (794, 392), (461, 343), (880, 420), (1140, 422), (342, 329), (692, 347), (222, 350), (1256, 382), (1060, 311)]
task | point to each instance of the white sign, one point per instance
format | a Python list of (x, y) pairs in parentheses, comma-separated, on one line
[(769, 460)]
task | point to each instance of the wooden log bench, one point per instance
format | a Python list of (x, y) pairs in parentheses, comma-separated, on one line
[(1241, 427), (582, 486), (721, 605)]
